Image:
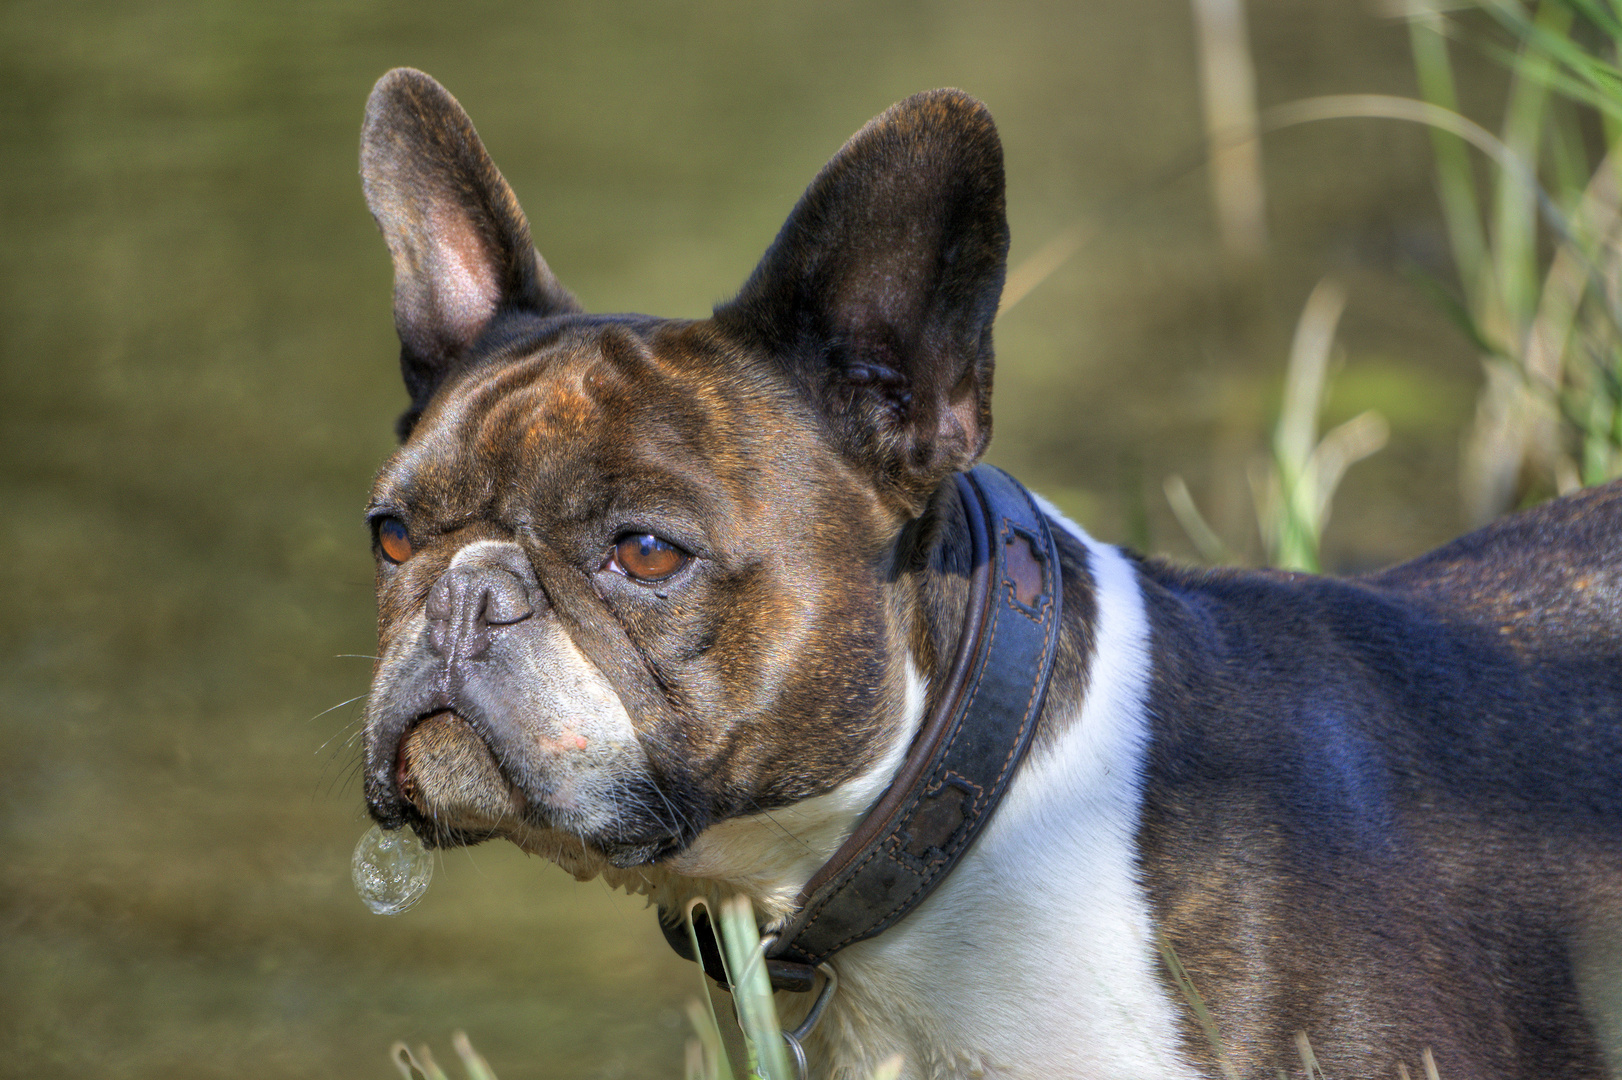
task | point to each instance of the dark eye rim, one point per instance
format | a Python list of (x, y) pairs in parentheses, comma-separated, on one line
[(611, 563)]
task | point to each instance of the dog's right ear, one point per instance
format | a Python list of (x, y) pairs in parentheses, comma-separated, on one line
[(460, 244), (879, 293)]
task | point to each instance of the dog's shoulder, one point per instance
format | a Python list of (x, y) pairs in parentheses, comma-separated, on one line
[(1495, 660)]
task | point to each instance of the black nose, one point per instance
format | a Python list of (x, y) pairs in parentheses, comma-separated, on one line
[(467, 601)]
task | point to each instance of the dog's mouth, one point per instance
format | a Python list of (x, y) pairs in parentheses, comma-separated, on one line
[(453, 792), (447, 774)]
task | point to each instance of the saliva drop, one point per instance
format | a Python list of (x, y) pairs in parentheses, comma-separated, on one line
[(391, 870)]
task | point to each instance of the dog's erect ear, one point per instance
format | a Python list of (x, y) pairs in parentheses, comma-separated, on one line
[(460, 244), (880, 291)]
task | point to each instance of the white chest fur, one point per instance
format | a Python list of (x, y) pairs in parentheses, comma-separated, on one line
[(1036, 957)]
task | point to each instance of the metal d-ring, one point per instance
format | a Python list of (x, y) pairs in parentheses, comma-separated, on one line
[(796, 1038)]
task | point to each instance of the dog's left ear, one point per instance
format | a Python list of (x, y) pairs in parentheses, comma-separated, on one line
[(880, 290), (460, 244)]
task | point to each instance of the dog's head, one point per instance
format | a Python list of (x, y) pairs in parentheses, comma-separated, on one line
[(638, 576)]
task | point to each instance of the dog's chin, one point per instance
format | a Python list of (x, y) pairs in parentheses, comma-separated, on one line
[(456, 796)]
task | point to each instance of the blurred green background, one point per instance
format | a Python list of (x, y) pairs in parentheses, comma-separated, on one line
[(198, 376)]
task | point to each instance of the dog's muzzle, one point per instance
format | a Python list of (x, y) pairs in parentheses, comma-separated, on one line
[(432, 738), (487, 719)]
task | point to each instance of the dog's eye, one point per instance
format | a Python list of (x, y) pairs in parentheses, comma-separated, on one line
[(645, 557), (393, 538)]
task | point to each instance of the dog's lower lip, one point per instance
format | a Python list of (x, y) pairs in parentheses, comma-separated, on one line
[(402, 778), (451, 776), (404, 783)]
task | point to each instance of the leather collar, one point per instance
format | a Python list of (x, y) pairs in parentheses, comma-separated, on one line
[(961, 761)]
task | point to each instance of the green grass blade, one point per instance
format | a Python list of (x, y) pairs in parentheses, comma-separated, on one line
[(1594, 13), (1309, 1060), (752, 989), (1197, 1003), (1568, 155), (1455, 309), (703, 1016), (415, 1066), (1515, 211), (477, 1068), (706, 1054), (1455, 180), (1198, 530)]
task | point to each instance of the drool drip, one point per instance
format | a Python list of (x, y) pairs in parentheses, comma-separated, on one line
[(391, 870)]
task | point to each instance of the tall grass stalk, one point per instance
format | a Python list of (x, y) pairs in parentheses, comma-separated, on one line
[(1551, 417), (1228, 94), (752, 990), (709, 1051), (1546, 317), (1573, 350), (1548, 326), (756, 1009), (1294, 489), (1497, 268), (1185, 986), (1309, 1060)]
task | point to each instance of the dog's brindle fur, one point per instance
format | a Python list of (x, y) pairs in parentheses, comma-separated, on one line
[(1383, 811)]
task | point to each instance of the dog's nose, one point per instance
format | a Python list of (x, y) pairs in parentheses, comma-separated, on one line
[(468, 600)]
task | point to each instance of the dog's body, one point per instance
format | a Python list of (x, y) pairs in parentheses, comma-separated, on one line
[(667, 601)]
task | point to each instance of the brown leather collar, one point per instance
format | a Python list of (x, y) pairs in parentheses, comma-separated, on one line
[(963, 758)]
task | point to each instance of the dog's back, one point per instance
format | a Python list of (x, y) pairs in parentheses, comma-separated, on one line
[(1410, 780)]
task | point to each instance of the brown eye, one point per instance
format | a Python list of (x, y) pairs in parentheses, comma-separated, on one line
[(394, 540), (645, 557)]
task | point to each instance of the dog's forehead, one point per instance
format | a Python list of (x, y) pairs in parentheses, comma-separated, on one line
[(569, 406), (565, 374)]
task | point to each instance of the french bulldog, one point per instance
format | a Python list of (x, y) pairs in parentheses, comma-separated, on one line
[(669, 601)]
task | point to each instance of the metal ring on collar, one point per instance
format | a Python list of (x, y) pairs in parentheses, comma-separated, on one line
[(797, 1037)]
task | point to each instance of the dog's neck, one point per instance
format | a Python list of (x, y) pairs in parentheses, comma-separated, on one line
[(927, 989)]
